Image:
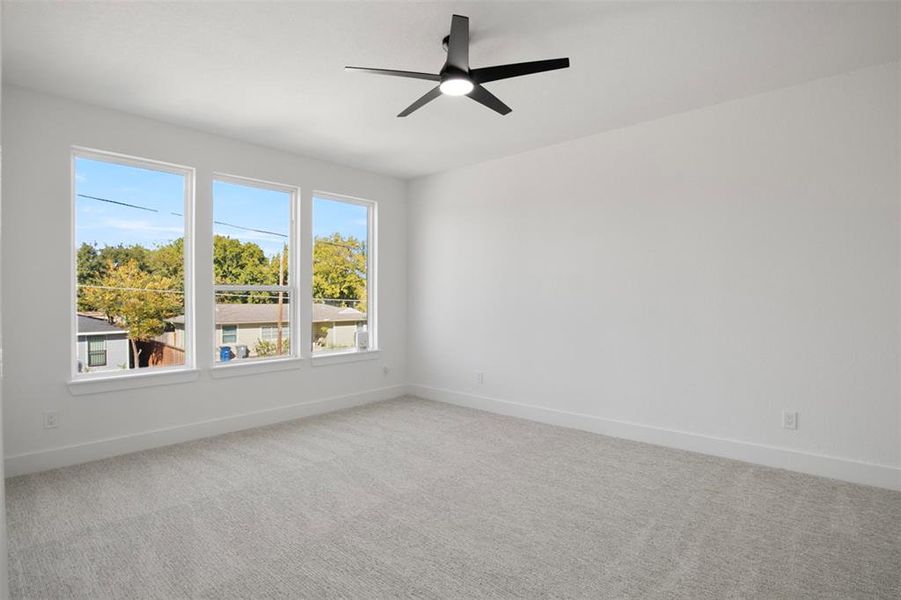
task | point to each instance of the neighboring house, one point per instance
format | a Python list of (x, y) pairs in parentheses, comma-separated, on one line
[(334, 327), (247, 325), (101, 346)]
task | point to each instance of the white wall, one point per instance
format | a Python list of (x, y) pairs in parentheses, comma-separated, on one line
[(717, 267), (4, 572), (38, 133)]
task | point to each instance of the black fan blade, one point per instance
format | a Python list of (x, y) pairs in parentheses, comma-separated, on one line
[(487, 74), (410, 74), (483, 96), (428, 97), (458, 43)]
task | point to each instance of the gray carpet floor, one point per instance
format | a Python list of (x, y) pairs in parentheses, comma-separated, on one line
[(415, 499)]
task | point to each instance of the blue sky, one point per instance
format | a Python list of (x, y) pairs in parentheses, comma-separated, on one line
[(253, 208), (105, 223), (347, 219), (109, 224)]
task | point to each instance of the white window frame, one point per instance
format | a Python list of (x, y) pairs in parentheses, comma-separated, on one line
[(291, 286), (78, 380), (323, 357)]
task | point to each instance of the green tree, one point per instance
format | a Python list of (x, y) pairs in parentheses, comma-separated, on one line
[(90, 268), (279, 262), (168, 261), (93, 264), (244, 263), (90, 265), (121, 254), (339, 270), (136, 300)]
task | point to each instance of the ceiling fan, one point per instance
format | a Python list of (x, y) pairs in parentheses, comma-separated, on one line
[(457, 79)]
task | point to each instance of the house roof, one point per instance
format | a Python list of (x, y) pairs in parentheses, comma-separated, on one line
[(268, 313), (326, 312), (88, 324)]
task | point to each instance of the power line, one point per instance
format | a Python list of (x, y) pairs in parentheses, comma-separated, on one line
[(252, 294), (154, 210), (128, 289), (320, 240), (249, 293), (119, 203), (250, 229), (223, 223)]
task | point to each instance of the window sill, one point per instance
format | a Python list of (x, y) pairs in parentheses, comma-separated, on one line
[(252, 368), (335, 358), (111, 383)]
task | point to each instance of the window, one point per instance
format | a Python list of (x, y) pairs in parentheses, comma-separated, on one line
[(96, 352), (253, 252), (269, 333), (132, 277), (343, 278)]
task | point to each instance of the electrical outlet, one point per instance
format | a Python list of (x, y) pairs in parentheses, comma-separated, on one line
[(51, 419), (480, 377), (789, 419)]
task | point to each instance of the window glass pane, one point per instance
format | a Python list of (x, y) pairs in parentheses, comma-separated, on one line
[(96, 351), (271, 333), (243, 325), (129, 240), (251, 242), (340, 275), (251, 235)]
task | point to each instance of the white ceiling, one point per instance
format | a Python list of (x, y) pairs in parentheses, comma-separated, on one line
[(272, 72)]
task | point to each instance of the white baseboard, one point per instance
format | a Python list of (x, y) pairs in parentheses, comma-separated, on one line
[(32, 462), (884, 476)]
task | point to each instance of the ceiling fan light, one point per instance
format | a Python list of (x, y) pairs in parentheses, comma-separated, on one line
[(456, 86)]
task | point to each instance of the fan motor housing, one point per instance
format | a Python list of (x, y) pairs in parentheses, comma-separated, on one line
[(451, 72)]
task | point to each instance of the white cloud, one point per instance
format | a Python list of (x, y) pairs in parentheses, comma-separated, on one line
[(137, 225)]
